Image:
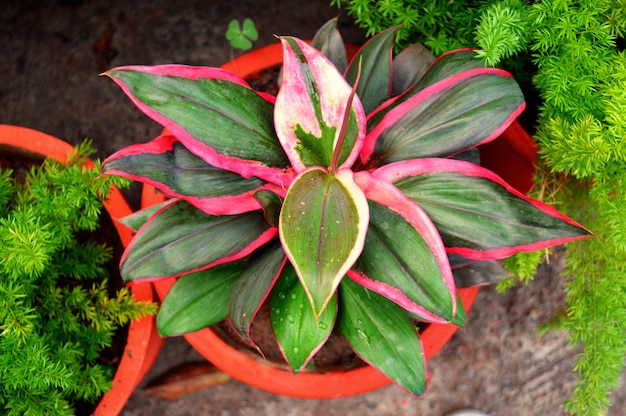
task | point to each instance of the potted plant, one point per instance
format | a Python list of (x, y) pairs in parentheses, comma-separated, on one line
[(337, 202), (59, 316)]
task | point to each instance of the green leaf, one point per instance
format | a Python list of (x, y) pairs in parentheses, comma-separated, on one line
[(197, 300), (380, 333), (323, 225), (253, 287), (182, 239), (249, 30), (409, 66), (298, 331), (271, 205), (479, 216), (458, 320), (328, 40), (241, 37), (396, 257), (375, 60)]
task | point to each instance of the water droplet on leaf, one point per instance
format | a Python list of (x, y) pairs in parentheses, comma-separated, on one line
[(363, 335)]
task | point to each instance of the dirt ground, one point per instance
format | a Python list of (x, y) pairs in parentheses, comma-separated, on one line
[(51, 55)]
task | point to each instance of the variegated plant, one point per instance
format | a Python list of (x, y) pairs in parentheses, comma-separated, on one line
[(337, 201)]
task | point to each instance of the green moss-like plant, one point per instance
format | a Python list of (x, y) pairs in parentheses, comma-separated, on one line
[(577, 48), (57, 313), (572, 54), (441, 25)]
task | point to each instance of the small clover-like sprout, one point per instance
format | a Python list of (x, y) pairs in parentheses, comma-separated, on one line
[(241, 36)]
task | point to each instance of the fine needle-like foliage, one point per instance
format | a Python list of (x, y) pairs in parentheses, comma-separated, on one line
[(439, 25), (577, 48), (57, 313)]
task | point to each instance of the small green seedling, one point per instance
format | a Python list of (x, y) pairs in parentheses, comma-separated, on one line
[(241, 36)]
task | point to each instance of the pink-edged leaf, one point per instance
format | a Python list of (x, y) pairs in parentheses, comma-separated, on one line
[(446, 65), (477, 213), (458, 320), (323, 225), (372, 65), (450, 116), (299, 332), (404, 258), (198, 300), (381, 334), (198, 105), (167, 165), (310, 108), (180, 239), (254, 286)]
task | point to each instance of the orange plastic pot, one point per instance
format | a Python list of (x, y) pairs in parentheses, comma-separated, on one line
[(143, 343), (512, 156)]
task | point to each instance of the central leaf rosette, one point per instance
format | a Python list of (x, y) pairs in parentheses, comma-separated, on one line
[(321, 126), (343, 192)]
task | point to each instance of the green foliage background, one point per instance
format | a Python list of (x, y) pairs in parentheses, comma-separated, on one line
[(56, 312)]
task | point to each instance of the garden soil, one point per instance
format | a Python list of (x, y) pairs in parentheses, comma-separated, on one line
[(51, 55)]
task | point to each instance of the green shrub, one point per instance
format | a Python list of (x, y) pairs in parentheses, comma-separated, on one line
[(57, 313)]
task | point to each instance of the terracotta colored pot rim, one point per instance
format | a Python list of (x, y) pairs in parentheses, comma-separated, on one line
[(143, 343)]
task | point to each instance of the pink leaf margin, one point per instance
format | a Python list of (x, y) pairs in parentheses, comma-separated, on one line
[(246, 168), (386, 194), (398, 170), (226, 205), (293, 101), (262, 239), (402, 109)]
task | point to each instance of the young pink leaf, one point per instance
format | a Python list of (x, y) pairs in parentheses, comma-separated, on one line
[(310, 107), (167, 165), (477, 213), (404, 258), (322, 226)]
